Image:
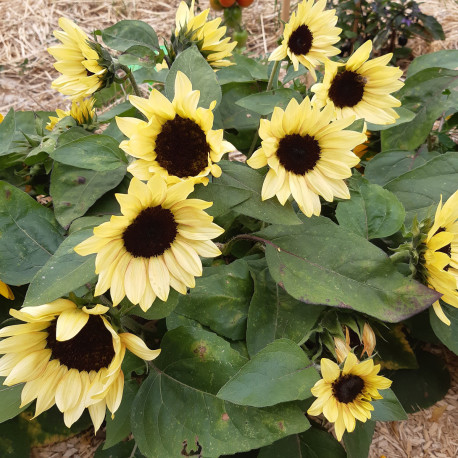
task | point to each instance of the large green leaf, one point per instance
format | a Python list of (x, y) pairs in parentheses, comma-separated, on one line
[(220, 299), (10, 400), (201, 75), (74, 189), (29, 235), (274, 314), (176, 405), (127, 33), (358, 442), (265, 102), (420, 189), (280, 372), (372, 212), (447, 58), (7, 129), (64, 272), (447, 334), (389, 408), (319, 262), (96, 152)]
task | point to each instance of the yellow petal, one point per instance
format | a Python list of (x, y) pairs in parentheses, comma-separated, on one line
[(138, 347), (70, 323)]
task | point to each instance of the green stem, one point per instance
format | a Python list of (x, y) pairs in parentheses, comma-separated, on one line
[(130, 75), (269, 87)]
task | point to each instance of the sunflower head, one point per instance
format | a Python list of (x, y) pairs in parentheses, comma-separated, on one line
[(344, 396), (84, 66), (308, 36), (82, 112), (1, 118), (5, 291), (155, 245), (308, 155), (67, 356), (177, 142), (207, 36), (361, 87)]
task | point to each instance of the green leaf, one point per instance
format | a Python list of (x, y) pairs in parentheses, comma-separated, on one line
[(358, 442), (128, 449), (292, 74), (420, 189), (29, 235), (447, 334), (64, 272), (176, 405), (274, 314), (119, 428), (234, 74), (139, 55), (7, 129), (447, 58), (74, 189), (121, 109), (14, 440), (388, 165), (95, 152), (389, 408), (265, 102), (280, 372), (405, 115), (257, 69), (316, 262), (159, 309), (201, 75), (372, 212), (10, 400), (220, 299), (127, 33)]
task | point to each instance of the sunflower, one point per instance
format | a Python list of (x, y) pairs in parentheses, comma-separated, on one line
[(82, 112), (308, 36), (308, 156), (82, 75), (5, 291), (361, 87), (1, 117), (207, 36), (441, 255), (154, 245), (177, 141), (344, 396), (69, 357)]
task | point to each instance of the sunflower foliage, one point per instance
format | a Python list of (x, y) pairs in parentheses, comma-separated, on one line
[(217, 253)]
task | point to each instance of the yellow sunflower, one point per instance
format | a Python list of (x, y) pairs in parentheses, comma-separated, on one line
[(177, 142), (307, 154), (69, 357), (441, 255), (154, 245), (1, 117), (82, 74), (308, 36), (344, 396), (82, 112), (5, 291), (207, 36), (361, 87)]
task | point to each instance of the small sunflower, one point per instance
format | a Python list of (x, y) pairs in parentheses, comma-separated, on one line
[(69, 357), (82, 112), (177, 141), (441, 255), (307, 154), (361, 87), (5, 291), (154, 245), (82, 75), (1, 117), (344, 396), (207, 36), (308, 36)]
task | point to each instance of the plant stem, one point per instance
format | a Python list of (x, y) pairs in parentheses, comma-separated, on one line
[(269, 87), (130, 75)]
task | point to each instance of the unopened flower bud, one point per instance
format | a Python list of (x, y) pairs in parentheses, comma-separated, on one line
[(369, 340)]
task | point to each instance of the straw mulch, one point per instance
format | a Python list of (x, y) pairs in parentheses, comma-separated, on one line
[(26, 68)]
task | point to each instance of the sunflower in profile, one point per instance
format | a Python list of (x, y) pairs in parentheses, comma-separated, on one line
[(344, 396), (82, 112), (307, 154), (154, 245), (441, 255), (5, 291), (361, 87), (78, 61), (67, 356), (308, 36), (177, 142), (207, 36)]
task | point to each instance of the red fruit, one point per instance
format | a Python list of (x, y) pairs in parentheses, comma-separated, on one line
[(245, 3), (227, 3), (216, 5)]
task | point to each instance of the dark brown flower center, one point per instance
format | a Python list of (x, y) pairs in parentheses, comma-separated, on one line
[(182, 148), (447, 249), (300, 40), (347, 387), (347, 89), (90, 350), (298, 154), (150, 233)]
